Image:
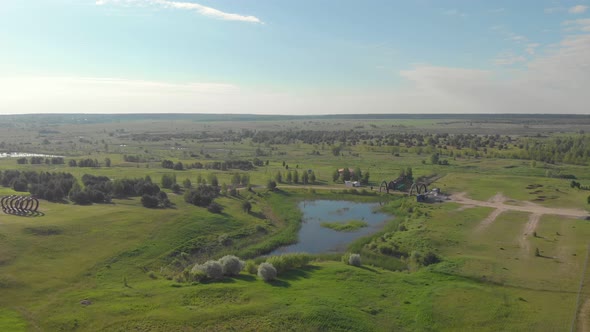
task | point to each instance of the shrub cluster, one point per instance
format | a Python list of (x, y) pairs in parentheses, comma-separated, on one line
[(267, 272), (226, 266), (354, 259), (286, 262), (212, 269), (49, 186), (203, 196), (232, 265), (100, 189)]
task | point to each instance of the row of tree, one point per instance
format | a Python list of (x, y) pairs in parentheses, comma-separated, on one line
[(41, 160), (50, 186), (87, 162), (306, 177)]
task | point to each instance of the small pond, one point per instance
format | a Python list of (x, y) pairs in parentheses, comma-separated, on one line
[(313, 238), (25, 154)]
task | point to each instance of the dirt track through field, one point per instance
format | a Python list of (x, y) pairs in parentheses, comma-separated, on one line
[(489, 219), (528, 230), (536, 212), (498, 200)]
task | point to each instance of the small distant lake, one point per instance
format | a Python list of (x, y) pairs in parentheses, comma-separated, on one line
[(313, 238), (25, 154)]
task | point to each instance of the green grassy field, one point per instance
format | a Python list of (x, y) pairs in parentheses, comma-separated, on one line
[(127, 260)]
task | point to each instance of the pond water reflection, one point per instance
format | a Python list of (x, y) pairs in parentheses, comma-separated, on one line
[(313, 238)]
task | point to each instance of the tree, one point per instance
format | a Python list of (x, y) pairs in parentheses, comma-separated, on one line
[(247, 206), (289, 177), (236, 179), (168, 180), (305, 177), (346, 174), (215, 208), (336, 150), (178, 166), (187, 184), (279, 177), (335, 175), (356, 174), (149, 201), (245, 181), (167, 164), (295, 176), (365, 179), (213, 180), (409, 173), (312, 178), (434, 159), (271, 185), (107, 162)]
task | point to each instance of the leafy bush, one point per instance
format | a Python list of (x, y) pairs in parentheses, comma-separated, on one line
[(198, 276), (251, 267), (430, 258), (215, 208), (202, 195), (267, 272), (247, 206), (231, 265), (149, 201), (289, 261), (212, 269), (354, 260)]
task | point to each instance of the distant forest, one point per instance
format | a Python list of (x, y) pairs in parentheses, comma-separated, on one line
[(53, 119)]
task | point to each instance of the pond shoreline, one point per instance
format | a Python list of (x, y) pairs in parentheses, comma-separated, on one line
[(313, 238)]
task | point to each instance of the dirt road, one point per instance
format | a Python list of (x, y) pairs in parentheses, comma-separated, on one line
[(499, 203)]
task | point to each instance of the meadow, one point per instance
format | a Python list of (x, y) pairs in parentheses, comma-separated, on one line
[(119, 266)]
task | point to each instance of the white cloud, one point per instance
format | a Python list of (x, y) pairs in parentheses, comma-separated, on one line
[(532, 48), (203, 10), (579, 9), (453, 12), (554, 81), (582, 25), (553, 10), (508, 59), (516, 38)]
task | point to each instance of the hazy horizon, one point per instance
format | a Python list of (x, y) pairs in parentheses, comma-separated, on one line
[(294, 57)]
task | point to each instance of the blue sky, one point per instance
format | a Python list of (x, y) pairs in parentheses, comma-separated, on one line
[(294, 57)]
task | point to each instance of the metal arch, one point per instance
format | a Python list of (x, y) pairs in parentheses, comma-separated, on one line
[(384, 185), (21, 205), (13, 203), (36, 202), (420, 188), (4, 202)]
